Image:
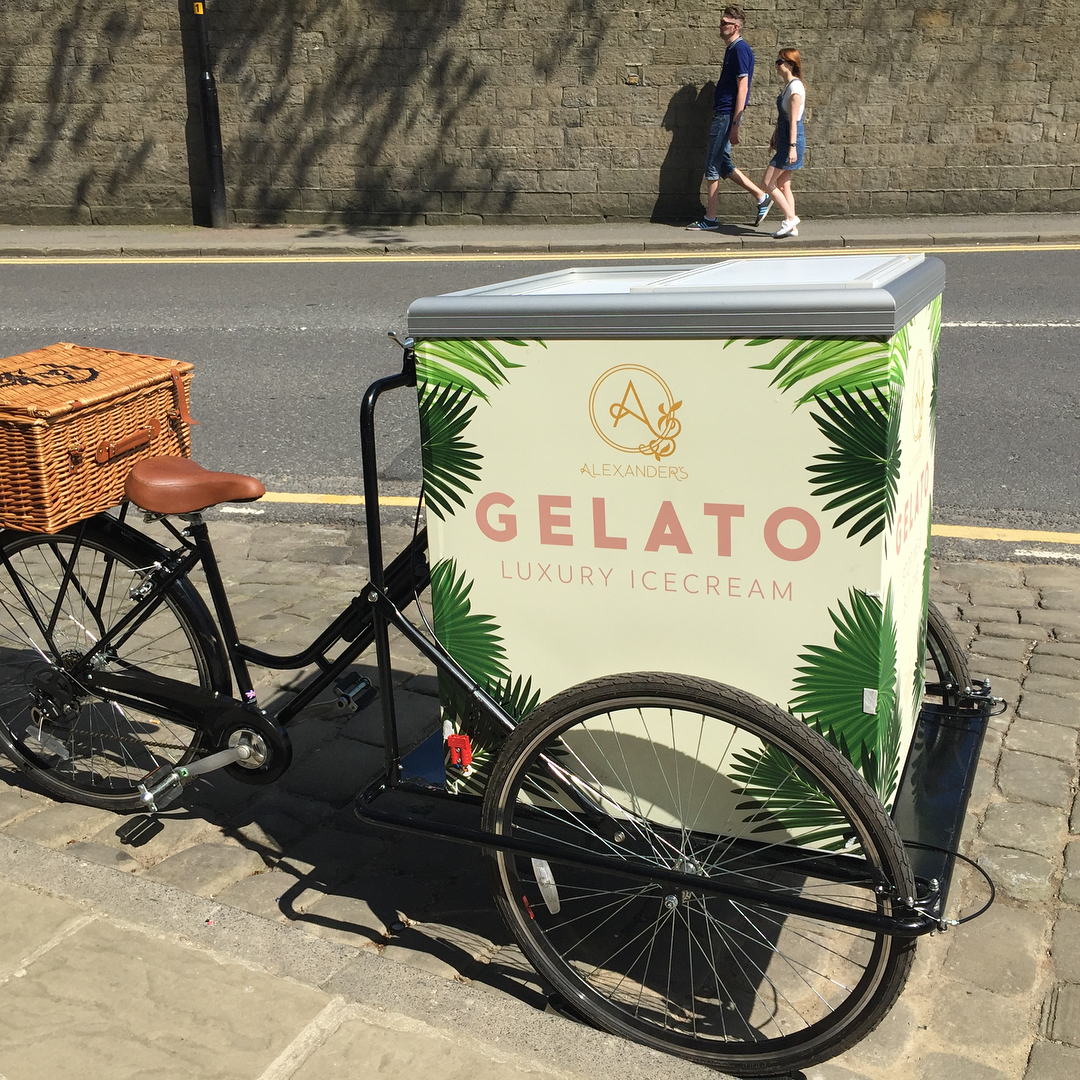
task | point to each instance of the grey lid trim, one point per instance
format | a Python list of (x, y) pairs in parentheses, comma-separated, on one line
[(822, 312)]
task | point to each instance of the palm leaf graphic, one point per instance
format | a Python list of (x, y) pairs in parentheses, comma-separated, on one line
[(779, 795), (464, 364), (450, 463), (473, 640), (862, 471), (835, 363), (829, 686)]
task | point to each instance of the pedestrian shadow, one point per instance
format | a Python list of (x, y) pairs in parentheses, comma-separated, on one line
[(687, 117)]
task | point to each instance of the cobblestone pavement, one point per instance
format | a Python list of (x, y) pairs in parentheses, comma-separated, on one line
[(997, 998)]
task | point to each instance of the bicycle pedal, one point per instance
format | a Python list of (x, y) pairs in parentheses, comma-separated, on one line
[(354, 692), (161, 787)]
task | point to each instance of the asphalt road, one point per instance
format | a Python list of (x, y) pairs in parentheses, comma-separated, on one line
[(284, 350)]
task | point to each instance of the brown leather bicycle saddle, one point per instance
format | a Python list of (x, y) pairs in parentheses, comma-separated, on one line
[(174, 485)]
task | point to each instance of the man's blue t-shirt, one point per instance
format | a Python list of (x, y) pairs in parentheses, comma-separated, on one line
[(738, 60)]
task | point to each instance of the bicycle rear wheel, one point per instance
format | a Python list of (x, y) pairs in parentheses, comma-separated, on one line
[(694, 776), (949, 660), (57, 599)]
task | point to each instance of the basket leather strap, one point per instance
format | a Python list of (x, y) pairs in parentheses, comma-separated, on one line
[(107, 450), (181, 398)]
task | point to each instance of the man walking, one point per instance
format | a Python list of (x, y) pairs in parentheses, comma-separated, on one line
[(732, 92)]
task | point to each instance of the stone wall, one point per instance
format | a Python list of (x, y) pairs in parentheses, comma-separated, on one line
[(444, 111)]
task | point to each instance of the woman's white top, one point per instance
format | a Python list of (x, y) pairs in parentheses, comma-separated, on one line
[(793, 87)]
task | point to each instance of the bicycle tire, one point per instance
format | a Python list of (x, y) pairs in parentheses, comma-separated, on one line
[(949, 659), (74, 745), (770, 992)]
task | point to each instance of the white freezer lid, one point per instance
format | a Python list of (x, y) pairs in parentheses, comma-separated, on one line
[(822, 295)]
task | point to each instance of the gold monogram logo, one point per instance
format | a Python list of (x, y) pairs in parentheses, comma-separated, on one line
[(633, 410)]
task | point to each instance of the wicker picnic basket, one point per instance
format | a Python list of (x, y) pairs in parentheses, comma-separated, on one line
[(73, 420)]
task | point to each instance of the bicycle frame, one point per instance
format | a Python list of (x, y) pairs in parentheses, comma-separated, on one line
[(367, 620)]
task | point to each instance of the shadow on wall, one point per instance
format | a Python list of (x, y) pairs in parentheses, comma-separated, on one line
[(688, 115), (381, 86)]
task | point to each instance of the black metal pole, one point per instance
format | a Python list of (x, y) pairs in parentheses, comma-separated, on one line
[(208, 99)]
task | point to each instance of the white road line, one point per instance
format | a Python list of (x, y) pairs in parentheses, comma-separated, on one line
[(1029, 552), (983, 324)]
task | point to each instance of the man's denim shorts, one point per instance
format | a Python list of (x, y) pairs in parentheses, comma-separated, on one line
[(718, 163)]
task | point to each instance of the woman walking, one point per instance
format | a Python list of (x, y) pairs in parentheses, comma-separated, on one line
[(788, 141)]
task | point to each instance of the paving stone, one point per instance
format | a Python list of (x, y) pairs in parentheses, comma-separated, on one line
[(364, 915), (1038, 779), (1052, 710), (969, 573), (261, 894), (378, 1044), (261, 572), (17, 803), (1051, 1061), (978, 616), (999, 951), (329, 857), (1002, 648), (1019, 874), (983, 595), (1046, 663), (1052, 577), (30, 920), (153, 838), (954, 1067), (1065, 946), (994, 668), (1028, 632), (189, 1014), (336, 772), (969, 1016), (1061, 1018), (413, 947), (417, 717), (60, 824), (103, 855), (1049, 740), (206, 869), (269, 833), (1036, 683), (1027, 826), (1074, 818), (888, 1042), (1059, 648)]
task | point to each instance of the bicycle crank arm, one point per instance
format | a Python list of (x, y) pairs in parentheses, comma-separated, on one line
[(163, 785), (908, 923)]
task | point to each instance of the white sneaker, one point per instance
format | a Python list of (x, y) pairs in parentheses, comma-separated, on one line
[(788, 227)]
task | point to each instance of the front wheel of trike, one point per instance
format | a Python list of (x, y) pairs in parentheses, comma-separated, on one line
[(697, 777)]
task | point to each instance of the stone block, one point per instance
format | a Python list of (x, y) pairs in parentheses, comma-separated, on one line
[(1035, 778), (969, 573), (1001, 596), (969, 1017), (999, 951), (261, 894), (335, 772), (1049, 740), (1052, 685), (1000, 648), (1061, 1016), (1052, 710), (1051, 1061), (17, 803), (954, 1067), (62, 1019), (60, 824), (1019, 874), (1026, 826), (30, 920), (1065, 946), (1044, 662), (362, 915), (153, 838), (206, 869)]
